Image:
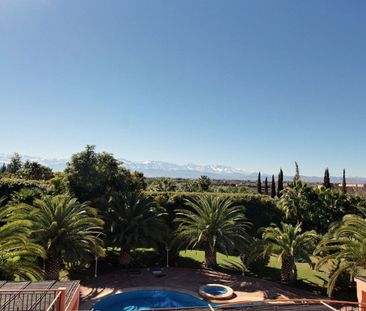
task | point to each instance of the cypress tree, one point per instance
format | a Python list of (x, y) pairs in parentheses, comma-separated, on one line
[(297, 172), (259, 183), (273, 187), (326, 182), (280, 183), (344, 183), (266, 186), (3, 168)]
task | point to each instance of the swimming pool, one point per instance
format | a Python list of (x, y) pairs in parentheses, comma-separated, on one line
[(148, 299)]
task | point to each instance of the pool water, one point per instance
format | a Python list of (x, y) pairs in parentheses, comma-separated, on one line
[(148, 299), (215, 290)]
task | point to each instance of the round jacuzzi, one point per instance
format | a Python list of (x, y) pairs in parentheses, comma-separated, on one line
[(216, 291)]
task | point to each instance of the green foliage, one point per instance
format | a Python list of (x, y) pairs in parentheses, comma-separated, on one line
[(253, 257), (133, 220), (230, 188), (68, 230), (259, 210), (163, 184), (204, 183), (297, 172), (326, 182), (59, 183), (344, 246), (213, 224), (297, 200), (266, 186), (259, 183), (29, 170), (92, 175), (314, 208), (25, 195), (8, 185), (17, 251), (273, 187), (15, 164), (34, 171), (289, 244), (344, 183), (280, 184), (189, 186)]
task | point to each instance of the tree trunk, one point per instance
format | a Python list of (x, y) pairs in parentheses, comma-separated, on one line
[(288, 269), (210, 258), (52, 268), (125, 258)]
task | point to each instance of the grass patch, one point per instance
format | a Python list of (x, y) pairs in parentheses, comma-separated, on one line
[(271, 272)]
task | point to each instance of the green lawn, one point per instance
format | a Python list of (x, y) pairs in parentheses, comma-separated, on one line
[(271, 272)]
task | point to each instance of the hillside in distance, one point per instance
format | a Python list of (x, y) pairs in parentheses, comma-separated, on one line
[(165, 169)]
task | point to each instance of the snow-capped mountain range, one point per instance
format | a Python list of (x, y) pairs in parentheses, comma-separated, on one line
[(165, 169), (159, 168)]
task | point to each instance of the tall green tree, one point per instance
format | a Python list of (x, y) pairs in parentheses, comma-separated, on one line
[(35, 170), (344, 183), (68, 230), (3, 168), (15, 164), (266, 186), (204, 182), (290, 244), (133, 220), (326, 182), (18, 252), (297, 172), (91, 175), (212, 224), (259, 183), (273, 187), (344, 247), (280, 183)]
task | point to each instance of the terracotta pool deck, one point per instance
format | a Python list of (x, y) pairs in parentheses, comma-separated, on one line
[(186, 280)]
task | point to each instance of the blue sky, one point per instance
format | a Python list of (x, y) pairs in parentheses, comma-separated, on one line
[(249, 84)]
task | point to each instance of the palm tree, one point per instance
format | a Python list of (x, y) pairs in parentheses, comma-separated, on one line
[(163, 184), (298, 201), (133, 220), (213, 223), (17, 252), (290, 244), (68, 230), (344, 246)]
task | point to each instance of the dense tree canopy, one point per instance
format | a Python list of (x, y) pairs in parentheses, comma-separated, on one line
[(91, 175)]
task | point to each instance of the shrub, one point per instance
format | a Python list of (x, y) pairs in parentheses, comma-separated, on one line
[(8, 185)]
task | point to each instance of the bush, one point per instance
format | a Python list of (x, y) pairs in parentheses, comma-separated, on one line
[(254, 258), (9, 185)]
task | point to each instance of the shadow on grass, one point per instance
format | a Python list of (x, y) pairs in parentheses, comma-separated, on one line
[(274, 275)]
